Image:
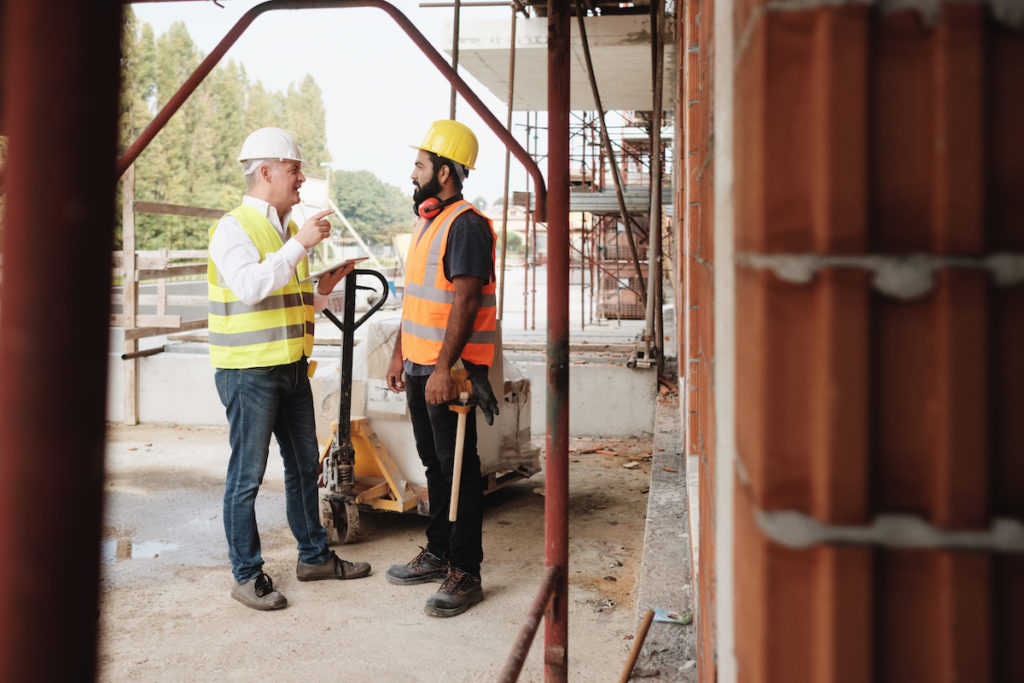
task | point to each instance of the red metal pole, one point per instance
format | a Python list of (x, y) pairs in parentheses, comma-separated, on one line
[(206, 66), (528, 630), (556, 468), (61, 74), (533, 249)]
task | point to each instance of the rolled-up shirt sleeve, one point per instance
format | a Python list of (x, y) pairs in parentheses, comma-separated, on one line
[(239, 266)]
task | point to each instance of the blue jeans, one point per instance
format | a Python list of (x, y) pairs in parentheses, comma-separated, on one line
[(261, 401)]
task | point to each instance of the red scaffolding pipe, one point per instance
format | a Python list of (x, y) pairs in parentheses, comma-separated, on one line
[(556, 468), (60, 82), (529, 628), (207, 65)]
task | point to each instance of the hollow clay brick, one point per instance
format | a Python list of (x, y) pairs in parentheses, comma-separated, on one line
[(1004, 151), (929, 402), (958, 180), (960, 498), (801, 134), (902, 118), (1008, 617), (802, 392), (934, 608), (802, 614), (1006, 370)]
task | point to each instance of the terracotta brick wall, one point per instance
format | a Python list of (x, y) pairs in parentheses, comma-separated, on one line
[(879, 328), (697, 356)]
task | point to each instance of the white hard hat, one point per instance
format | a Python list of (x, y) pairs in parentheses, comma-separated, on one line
[(270, 143)]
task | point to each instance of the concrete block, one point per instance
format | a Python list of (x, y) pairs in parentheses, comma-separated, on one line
[(605, 398)]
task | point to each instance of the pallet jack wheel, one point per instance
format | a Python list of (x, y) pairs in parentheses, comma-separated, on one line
[(340, 518)]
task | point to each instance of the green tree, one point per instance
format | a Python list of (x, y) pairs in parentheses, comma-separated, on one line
[(305, 118), (165, 175), (192, 160), (138, 77), (263, 108), (375, 209), (513, 242)]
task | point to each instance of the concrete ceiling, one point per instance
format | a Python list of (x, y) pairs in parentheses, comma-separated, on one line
[(620, 47)]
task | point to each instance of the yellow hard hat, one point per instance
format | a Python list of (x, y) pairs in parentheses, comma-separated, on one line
[(451, 140)]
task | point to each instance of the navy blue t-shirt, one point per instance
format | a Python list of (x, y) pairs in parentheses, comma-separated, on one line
[(468, 253)]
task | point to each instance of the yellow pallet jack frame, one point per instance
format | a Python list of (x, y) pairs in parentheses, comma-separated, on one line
[(379, 483)]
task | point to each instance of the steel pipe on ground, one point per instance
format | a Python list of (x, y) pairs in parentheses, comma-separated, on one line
[(529, 628)]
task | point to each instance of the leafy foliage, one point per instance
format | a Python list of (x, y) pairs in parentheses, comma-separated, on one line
[(192, 160), (376, 210)]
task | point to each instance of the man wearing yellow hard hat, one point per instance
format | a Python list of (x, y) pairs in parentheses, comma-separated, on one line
[(448, 318)]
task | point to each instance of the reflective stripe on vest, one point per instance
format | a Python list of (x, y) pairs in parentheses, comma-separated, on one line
[(429, 295), (275, 331)]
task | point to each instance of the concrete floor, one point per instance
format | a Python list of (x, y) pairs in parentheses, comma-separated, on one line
[(166, 613)]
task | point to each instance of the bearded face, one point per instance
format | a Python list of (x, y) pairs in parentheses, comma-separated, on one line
[(431, 188)]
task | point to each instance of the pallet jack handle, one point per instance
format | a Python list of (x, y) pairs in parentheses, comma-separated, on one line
[(343, 436)]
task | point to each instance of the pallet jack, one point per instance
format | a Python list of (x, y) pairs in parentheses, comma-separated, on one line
[(354, 465)]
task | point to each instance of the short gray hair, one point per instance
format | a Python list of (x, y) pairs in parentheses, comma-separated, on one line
[(249, 170)]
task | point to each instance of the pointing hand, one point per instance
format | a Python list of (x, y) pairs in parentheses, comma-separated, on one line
[(315, 229)]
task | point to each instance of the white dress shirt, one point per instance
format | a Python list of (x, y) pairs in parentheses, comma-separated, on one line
[(238, 260)]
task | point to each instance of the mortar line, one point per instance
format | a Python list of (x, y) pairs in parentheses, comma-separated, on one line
[(797, 529)]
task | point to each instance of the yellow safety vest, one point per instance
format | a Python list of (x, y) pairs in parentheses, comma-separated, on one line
[(429, 295), (275, 331)]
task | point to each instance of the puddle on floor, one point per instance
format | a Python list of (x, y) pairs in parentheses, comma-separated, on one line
[(127, 549)]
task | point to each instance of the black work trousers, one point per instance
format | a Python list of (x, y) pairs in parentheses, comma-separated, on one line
[(434, 428)]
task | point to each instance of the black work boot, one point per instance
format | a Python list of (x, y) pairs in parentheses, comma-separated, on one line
[(458, 593), (333, 568), (423, 568)]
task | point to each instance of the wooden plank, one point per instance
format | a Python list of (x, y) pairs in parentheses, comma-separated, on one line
[(158, 321), (157, 256), (144, 321), (171, 271), (178, 210), (143, 332), (172, 299), (130, 385), (176, 299), (161, 299)]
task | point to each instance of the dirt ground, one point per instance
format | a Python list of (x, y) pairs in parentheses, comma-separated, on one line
[(166, 614)]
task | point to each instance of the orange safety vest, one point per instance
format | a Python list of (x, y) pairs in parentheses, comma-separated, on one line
[(429, 295)]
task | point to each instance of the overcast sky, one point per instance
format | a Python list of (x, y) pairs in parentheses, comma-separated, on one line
[(380, 92)]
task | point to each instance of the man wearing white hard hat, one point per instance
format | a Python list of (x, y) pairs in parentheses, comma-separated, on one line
[(448, 319), (261, 336)]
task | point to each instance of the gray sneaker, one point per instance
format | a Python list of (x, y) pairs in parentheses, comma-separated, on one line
[(258, 593), (333, 568), (423, 568)]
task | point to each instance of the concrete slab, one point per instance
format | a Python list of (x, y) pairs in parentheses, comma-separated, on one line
[(670, 650), (606, 398), (620, 48)]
